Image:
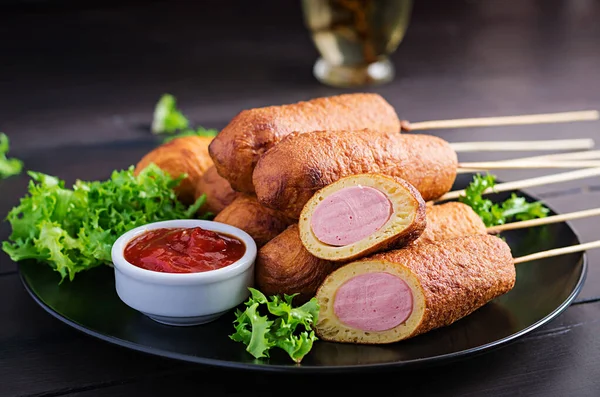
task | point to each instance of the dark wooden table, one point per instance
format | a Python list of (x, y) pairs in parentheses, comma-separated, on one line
[(77, 87)]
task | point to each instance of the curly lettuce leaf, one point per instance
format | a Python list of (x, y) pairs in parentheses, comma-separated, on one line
[(8, 166), (514, 208), (252, 329), (167, 118), (73, 230), (58, 247), (283, 325)]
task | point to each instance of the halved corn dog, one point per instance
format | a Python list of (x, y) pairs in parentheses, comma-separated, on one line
[(361, 214), (399, 294)]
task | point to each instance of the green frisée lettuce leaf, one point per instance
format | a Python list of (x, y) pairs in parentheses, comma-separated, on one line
[(275, 322), (168, 119), (74, 229), (513, 209), (8, 166)]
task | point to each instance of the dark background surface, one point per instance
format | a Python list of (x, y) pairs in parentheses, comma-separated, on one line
[(78, 83)]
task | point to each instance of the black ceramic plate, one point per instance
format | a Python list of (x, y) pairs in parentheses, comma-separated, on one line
[(543, 290)]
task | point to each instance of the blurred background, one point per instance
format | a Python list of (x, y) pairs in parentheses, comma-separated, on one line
[(73, 66)]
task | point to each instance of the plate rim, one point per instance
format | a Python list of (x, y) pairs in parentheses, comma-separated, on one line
[(346, 368), (266, 367)]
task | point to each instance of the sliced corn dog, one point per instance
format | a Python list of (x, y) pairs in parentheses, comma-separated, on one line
[(219, 193), (261, 223), (284, 265), (289, 174), (399, 294), (360, 215), (238, 146)]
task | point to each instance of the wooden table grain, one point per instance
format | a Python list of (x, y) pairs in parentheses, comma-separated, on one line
[(77, 86)]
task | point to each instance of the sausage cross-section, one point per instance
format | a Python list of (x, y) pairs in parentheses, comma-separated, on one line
[(361, 214)]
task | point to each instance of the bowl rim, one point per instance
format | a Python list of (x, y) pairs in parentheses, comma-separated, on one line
[(210, 276)]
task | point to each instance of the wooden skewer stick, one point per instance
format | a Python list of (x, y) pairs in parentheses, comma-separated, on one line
[(544, 221), (583, 155), (495, 165), (544, 145), (525, 183), (558, 251), (562, 117)]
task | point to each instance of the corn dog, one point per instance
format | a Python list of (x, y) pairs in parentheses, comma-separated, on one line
[(261, 223), (219, 193), (185, 155), (399, 294), (284, 266), (289, 174), (236, 149)]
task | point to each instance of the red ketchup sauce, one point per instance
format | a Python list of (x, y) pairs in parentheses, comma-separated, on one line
[(183, 250)]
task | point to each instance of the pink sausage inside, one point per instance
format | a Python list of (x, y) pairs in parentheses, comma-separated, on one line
[(373, 302), (349, 215)]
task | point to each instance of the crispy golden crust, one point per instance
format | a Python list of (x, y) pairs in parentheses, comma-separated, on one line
[(187, 155), (219, 193), (288, 175), (238, 146), (454, 278), (449, 220), (404, 226), (284, 266), (457, 276), (261, 223)]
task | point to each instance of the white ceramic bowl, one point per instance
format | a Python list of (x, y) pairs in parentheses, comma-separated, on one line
[(184, 298)]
